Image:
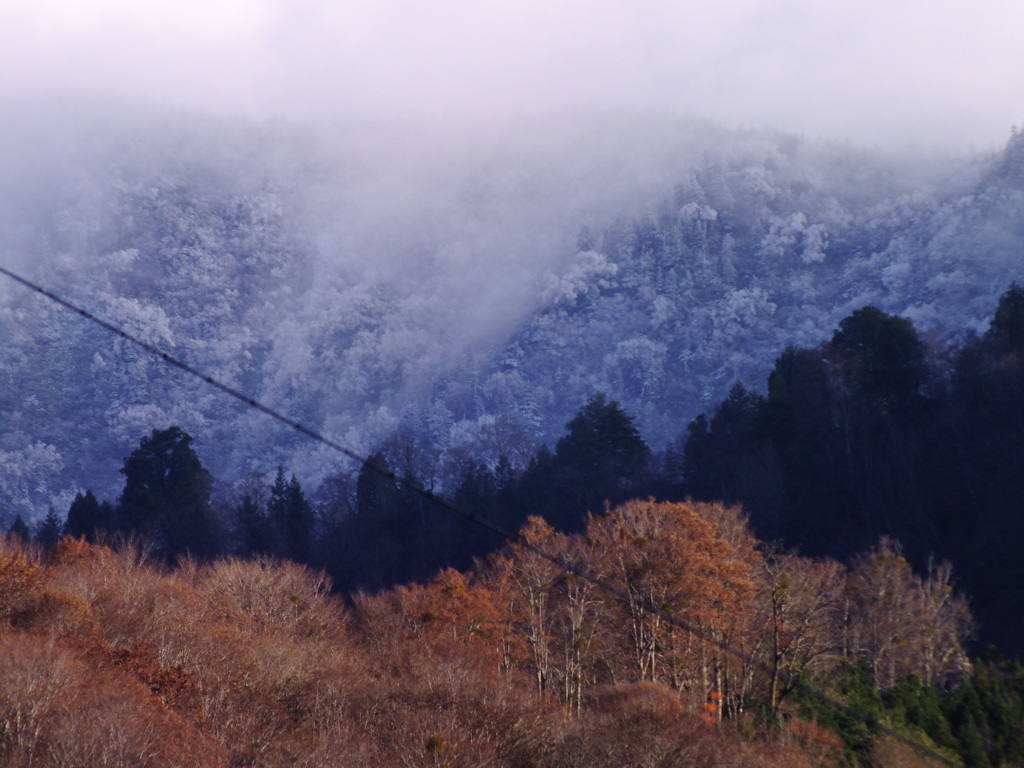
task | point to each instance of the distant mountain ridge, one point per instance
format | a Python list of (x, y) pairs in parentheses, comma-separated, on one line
[(465, 295)]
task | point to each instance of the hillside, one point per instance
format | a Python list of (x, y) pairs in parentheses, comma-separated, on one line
[(467, 293), (112, 659)]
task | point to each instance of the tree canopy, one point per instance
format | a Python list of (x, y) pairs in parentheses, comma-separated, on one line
[(166, 495)]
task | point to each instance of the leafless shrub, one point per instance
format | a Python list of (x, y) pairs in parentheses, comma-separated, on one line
[(58, 710), (272, 594)]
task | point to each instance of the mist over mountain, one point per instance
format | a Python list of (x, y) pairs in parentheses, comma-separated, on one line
[(466, 290)]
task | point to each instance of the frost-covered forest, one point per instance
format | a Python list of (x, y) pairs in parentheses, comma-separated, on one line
[(464, 294)]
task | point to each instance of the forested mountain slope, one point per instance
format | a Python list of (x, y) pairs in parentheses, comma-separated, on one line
[(769, 246), (464, 294)]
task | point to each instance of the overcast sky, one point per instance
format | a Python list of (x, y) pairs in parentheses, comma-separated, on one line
[(948, 73)]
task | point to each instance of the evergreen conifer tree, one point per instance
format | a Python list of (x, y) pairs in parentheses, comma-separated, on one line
[(19, 528), (50, 529), (167, 495)]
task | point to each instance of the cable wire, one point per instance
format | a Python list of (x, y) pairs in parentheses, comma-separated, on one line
[(558, 560)]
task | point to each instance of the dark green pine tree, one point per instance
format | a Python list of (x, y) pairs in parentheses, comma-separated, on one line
[(88, 517), (967, 716), (919, 706), (277, 514), (883, 360), (856, 720), (366, 551), (982, 449), (376, 488), (601, 460), (292, 518), (987, 712), (50, 529), (1007, 327), (478, 493), (718, 460), (166, 496), (881, 373), (252, 528), (19, 528)]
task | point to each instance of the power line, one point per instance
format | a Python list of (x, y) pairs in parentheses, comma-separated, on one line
[(558, 560), (253, 403)]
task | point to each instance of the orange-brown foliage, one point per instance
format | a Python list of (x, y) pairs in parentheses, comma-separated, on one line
[(31, 598), (58, 710), (107, 659), (270, 595), (21, 586)]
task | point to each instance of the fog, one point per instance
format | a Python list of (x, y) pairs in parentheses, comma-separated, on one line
[(941, 73), (357, 211)]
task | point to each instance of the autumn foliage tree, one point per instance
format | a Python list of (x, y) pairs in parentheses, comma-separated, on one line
[(648, 592), (798, 620), (683, 595), (901, 623), (672, 560)]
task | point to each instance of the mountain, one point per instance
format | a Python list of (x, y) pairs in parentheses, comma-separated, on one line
[(467, 292)]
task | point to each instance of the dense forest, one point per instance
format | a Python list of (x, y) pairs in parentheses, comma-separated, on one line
[(462, 298), (874, 432)]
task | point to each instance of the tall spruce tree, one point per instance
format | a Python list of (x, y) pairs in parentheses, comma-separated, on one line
[(50, 529), (87, 517), (601, 460), (292, 518)]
